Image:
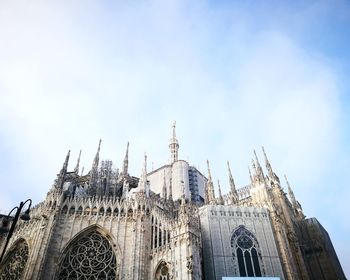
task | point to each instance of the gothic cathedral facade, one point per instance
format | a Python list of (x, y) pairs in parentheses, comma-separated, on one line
[(167, 224)]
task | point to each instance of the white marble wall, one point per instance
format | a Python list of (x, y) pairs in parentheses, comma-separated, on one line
[(217, 226)]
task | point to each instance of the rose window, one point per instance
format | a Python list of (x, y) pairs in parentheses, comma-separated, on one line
[(89, 257)]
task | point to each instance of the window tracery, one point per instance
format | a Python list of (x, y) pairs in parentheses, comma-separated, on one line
[(246, 252), (15, 262), (89, 257), (162, 272)]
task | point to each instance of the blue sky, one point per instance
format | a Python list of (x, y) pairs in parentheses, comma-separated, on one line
[(235, 75)]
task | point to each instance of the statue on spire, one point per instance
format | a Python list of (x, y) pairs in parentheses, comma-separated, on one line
[(174, 146)]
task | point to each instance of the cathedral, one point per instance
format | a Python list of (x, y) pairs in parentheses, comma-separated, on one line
[(170, 223)]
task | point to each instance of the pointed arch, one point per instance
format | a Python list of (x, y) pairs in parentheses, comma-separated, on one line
[(108, 211), (91, 254), (15, 260), (162, 271), (65, 209), (246, 252)]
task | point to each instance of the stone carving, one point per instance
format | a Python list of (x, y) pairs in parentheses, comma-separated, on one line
[(15, 262)]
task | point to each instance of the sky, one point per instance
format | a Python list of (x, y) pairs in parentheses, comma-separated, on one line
[(235, 75)]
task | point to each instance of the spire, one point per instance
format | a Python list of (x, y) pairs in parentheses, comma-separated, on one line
[(258, 166), (210, 187), (291, 194), (234, 195), (220, 198), (145, 165), (94, 171), (232, 182), (272, 174), (76, 169), (97, 157), (209, 173), (296, 205), (126, 160), (254, 168), (65, 164), (259, 172), (267, 163), (250, 175), (164, 192), (174, 146), (143, 187), (62, 174)]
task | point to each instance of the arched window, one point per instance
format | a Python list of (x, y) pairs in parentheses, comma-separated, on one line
[(116, 212), (89, 256), (162, 271), (246, 252), (15, 261), (65, 209), (108, 211)]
